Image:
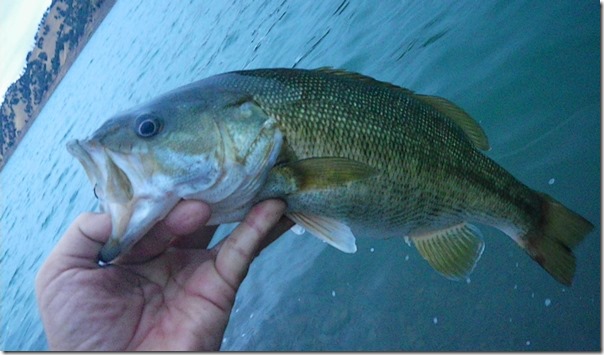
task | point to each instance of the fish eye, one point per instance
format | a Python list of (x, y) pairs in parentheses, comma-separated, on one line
[(147, 126)]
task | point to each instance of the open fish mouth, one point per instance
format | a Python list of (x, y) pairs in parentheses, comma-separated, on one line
[(123, 193), (111, 183), (112, 187)]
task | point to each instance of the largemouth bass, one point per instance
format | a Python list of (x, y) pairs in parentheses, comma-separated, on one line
[(350, 155)]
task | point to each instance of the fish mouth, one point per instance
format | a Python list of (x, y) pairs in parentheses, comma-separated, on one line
[(110, 181), (123, 192)]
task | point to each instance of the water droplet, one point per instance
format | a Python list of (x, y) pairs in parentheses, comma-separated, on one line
[(516, 264), (551, 181), (435, 320), (298, 229), (102, 264), (407, 257), (468, 280), (251, 315), (333, 293), (372, 250), (243, 335), (548, 302), (515, 287), (236, 310), (533, 295), (528, 342)]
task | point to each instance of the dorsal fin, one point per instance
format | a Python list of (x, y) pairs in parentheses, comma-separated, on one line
[(363, 78), (468, 125)]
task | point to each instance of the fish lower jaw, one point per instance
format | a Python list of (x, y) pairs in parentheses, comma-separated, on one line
[(131, 221), (109, 251)]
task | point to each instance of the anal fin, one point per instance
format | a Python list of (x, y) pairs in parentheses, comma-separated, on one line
[(452, 251), (333, 232)]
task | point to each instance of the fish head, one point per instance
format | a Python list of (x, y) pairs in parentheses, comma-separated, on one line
[(181, 145)]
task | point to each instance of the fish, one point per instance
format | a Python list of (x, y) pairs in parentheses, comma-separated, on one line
[(350, 155)]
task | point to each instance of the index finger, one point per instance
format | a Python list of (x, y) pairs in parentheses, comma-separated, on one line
[(237, 251)]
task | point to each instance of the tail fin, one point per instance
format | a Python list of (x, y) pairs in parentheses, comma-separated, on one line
[(551, 244)]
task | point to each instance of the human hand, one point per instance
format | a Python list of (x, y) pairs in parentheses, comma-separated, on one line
[(170, 292)]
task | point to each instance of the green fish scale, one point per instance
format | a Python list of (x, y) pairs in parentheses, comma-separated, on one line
[(431, 175)]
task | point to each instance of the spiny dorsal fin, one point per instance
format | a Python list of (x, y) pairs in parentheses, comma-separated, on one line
[(363, 78), (470, 127), (453, 251), (331, 231)]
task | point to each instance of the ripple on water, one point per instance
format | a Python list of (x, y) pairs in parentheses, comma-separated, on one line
[(73, 196), (13, 278), (47, 176)]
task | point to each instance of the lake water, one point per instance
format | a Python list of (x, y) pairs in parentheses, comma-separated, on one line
[(528, 71)]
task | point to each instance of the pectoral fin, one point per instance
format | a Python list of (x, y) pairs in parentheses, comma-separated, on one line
[(327, 229), (453, 251), (318, 173), (313, 174)]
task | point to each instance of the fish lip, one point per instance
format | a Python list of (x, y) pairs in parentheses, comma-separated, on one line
[(76, 149)]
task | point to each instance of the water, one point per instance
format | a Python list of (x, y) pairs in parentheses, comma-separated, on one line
[(529, 71)]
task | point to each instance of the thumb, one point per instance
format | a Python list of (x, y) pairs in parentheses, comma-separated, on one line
[(78, 247), (84, 239)]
